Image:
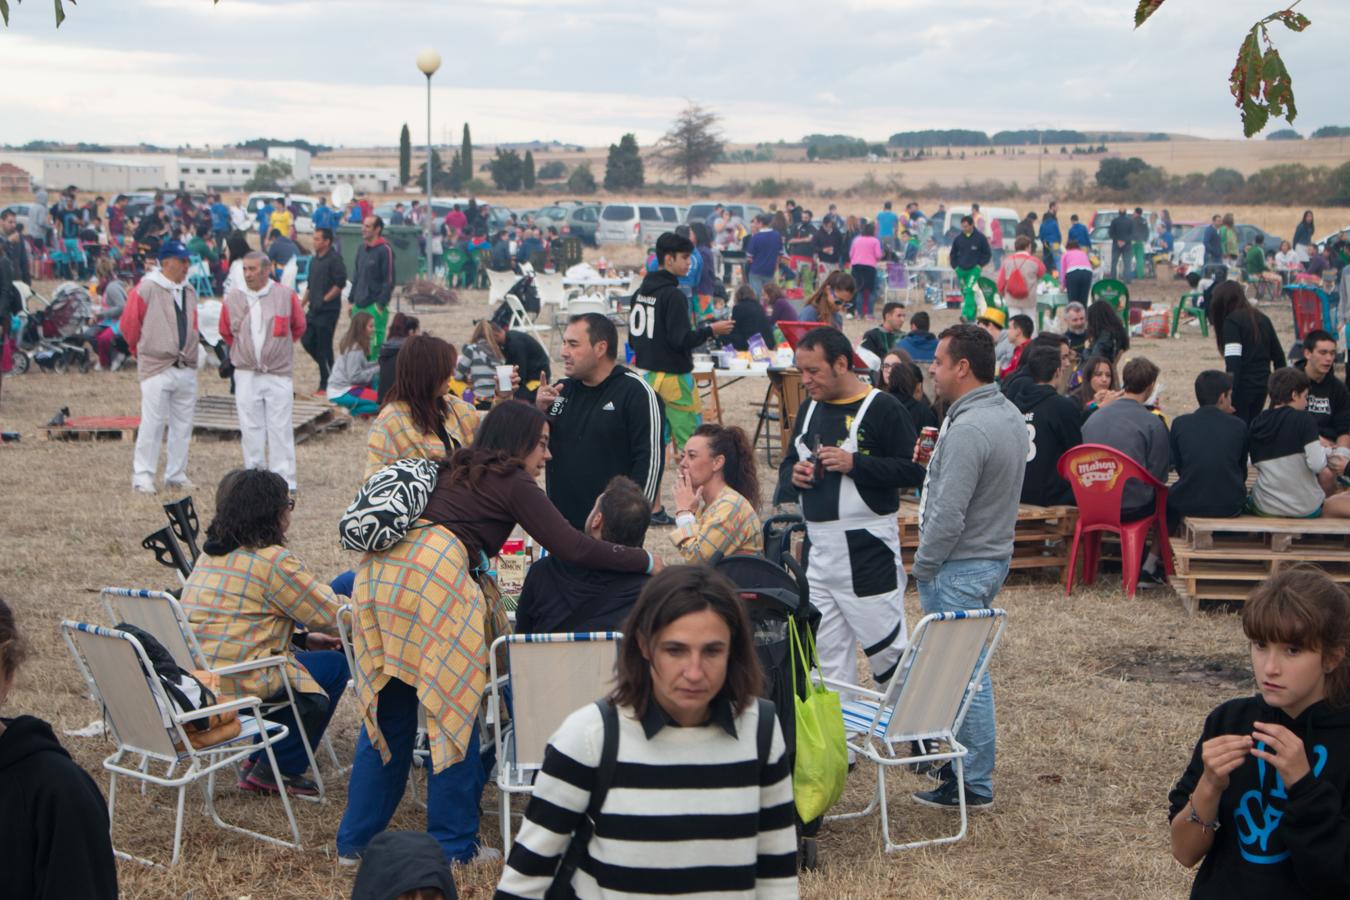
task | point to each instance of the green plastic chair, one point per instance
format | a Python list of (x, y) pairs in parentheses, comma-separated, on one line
[(456, 261), (806, 278), (570, 251), (1115, 292), (484, 264), (987, 287), (1187, 304)]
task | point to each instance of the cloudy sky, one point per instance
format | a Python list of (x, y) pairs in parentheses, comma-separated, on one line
[(584, 71)]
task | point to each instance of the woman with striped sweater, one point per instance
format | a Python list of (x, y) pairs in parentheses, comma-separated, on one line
[(698, 798)]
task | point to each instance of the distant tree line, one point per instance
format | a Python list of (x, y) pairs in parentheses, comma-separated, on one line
[(1135, 180)]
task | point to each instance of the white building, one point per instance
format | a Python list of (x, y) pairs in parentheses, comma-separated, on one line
[(110, 173)]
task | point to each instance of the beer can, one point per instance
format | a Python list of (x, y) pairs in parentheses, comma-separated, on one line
[(928, 439)]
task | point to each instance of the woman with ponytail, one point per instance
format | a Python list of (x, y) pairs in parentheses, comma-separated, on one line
[(716, 495)]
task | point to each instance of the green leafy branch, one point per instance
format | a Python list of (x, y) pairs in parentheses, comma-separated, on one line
[(60, 10), (1260, 82)]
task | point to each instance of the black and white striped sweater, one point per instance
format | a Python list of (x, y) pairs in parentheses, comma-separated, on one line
[(690, 812)]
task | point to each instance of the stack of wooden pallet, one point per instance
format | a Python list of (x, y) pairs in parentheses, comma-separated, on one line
[(1040, 542), (1224, 559)]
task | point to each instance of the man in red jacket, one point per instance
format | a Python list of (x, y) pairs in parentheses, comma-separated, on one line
[(159, 324), (260, 321)]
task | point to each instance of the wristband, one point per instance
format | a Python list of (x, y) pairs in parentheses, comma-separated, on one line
[(1195, 817)]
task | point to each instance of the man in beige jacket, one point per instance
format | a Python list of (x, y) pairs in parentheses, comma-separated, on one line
[(260, 321), (159, 324)]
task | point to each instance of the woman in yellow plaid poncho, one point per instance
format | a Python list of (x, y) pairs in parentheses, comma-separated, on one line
[(426, 614)]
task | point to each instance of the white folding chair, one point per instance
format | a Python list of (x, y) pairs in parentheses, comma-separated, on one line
[(498, 284), (162, 616), (521, 320), (114, 666), (551, 676), (926, 701)]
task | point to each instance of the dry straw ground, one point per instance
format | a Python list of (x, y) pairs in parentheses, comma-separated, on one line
[(1099, 698)]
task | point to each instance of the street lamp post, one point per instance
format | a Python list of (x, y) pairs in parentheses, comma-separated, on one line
[(428, 61)]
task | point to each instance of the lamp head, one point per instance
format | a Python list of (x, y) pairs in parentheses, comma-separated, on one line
[(428, 61)]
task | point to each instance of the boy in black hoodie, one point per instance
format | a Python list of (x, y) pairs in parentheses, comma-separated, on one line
[(54, 839), (1263, 801), (1209, 452), (1055, 424), (663, 338), (1328, 399)]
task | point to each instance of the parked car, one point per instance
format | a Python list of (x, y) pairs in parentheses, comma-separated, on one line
[(947, 226), (579, 220), (304, 222), (700, 212), (1188, 252)]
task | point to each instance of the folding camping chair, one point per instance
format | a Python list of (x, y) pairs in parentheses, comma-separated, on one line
[(551, 675), (160, 614), (898, 283), (521, 320), (114, 666), (926, 701), (498, 284)]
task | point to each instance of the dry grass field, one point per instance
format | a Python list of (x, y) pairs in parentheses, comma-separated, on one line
[(1100, 698)]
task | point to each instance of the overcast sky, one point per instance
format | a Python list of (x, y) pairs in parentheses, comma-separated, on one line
[(585, 71)]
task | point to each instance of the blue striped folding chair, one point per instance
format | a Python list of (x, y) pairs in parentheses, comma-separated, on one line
[(199, 276), (152, 743), (926, 702), (551, 676)]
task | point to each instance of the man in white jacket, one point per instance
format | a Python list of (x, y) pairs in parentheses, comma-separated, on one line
[(261, 320)]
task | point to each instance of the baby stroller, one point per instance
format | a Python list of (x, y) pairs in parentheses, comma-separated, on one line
[(53, 334), (774, 593)]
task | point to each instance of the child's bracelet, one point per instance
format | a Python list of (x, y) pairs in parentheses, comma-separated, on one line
[(1204, 826)]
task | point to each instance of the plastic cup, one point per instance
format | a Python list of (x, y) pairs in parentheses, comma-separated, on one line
[(504, 378)]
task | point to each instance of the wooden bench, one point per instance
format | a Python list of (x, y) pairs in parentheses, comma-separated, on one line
[(1040, 541), (94, 428), (1224, 559)]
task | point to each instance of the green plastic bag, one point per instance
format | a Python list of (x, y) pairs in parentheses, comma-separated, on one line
[(821, 766)]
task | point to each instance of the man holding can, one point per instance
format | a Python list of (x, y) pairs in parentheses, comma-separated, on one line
[(851, 453), (967, 513)]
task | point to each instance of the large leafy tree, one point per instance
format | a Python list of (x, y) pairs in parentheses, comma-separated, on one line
[(1260, 82), (692, 145), (508, 170)]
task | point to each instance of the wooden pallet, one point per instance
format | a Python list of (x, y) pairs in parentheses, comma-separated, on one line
[(1040, 540), (1279, 535), (1224, 559), (93, 428), (217, 418)]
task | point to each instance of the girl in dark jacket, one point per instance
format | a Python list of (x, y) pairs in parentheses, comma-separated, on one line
[(1106, 332), (1248, 344)]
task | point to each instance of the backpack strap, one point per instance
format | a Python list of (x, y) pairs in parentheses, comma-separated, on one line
[(561, 886), (765, 737)]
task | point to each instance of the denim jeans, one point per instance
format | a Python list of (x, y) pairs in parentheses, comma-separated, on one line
[(375, 789), (971, 584), (757, 282), (329, 669)]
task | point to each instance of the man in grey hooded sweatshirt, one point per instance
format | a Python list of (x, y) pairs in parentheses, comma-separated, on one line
[(967, 514)]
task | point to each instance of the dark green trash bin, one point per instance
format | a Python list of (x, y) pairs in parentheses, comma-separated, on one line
[(403, 238)]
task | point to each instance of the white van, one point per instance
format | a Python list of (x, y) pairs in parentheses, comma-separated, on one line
[(636, 223), (947, 226)]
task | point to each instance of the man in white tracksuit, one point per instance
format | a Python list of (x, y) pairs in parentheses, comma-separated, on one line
[(159, 324), (851, 453), (261, 320)]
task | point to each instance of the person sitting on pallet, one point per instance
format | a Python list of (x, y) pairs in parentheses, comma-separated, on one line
[(1328, 398), (1129, 426), (1054, 424), (1209, 452), (1295, 473)]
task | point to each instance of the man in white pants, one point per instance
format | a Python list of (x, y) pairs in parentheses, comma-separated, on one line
[(851, 452), (260, 321), (159, 324)]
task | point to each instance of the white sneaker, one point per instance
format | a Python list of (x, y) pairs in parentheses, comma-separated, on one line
[(184, 485), (144, 489), (349, 861), (486, 854)]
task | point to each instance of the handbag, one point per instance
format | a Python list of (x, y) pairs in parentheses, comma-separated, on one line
[(388, 504), (821, 766)]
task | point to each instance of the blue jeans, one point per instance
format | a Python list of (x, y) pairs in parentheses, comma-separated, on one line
[(757, 282), (971, 584), (375, 789), (329, 669)]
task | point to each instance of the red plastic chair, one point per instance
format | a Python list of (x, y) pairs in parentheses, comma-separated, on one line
[(1098, 474), (1307, 305)]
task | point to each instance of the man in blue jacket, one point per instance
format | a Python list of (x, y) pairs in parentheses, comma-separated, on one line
[(220, 221), (1212, 244), (1079, 232), (1052, 239), (763, 250)]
